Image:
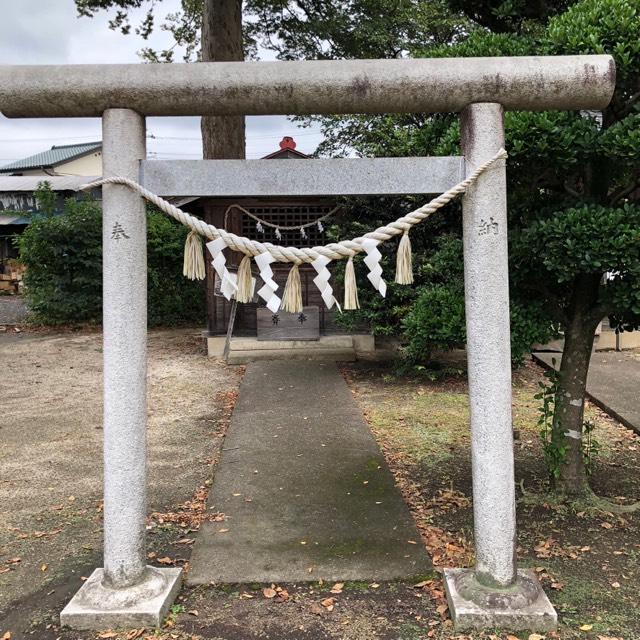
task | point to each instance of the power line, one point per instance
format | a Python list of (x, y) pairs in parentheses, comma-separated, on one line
[(153, 137)]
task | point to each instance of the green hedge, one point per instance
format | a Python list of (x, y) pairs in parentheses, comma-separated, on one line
[(63, 256)]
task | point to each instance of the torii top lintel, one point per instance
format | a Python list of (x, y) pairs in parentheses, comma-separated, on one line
[(308, 87)]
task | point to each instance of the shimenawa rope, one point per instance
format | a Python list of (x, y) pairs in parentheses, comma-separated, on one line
[(333, 251)]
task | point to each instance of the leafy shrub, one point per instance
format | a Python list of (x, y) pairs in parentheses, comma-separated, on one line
[(436, 319), (63, 256)]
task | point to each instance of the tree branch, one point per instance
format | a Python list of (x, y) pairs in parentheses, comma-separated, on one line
[(623, 192)]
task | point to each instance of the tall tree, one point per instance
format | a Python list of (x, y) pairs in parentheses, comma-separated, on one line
[(574, 192), (222, 136), (207, 30)]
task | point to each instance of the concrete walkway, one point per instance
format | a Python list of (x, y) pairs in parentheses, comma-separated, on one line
[(613, 383), (305, 488)]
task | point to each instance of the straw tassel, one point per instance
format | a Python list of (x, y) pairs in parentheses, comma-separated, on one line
[(404, 267), (350, 286), (245, 281), (193, 266), (292, 298)]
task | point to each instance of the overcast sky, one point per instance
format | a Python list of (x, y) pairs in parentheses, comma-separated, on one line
[(49, 32)]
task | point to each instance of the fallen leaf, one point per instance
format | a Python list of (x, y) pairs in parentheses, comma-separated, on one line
[(108, 634), (586, 627), (441, 609), (512, 638), (134, 633), (337, 587), (558, 586), (316, 609), (328, 603), (166, 560), (7, 636), (536, 636), (283, 596), (424, 583), (374, 585), (223, 530), (615, 585), (606, 525), (268, 592)]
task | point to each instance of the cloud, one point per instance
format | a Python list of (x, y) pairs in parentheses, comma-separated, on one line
[(50, 32)]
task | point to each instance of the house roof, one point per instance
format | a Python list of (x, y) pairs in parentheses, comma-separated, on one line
[(287, 150), (55, 156), (30, 183)]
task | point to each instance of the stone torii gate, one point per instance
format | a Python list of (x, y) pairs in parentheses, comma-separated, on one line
[(126, 592)]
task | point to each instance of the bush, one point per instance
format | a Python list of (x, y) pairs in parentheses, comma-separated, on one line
[(63, 256), (436, 319), (63, 281)]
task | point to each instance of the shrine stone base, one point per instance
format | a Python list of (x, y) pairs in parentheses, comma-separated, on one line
[(145, 604), (524, 606)]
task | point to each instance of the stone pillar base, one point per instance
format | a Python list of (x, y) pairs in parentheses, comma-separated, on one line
[(524, 606), (145, 604)]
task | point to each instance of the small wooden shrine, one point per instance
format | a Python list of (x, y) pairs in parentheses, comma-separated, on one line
[(286, 221)]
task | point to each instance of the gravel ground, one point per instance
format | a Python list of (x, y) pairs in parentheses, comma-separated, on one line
[(51, 454)]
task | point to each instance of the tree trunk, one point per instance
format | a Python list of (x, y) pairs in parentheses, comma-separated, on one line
[(222, 136), (569, 403)]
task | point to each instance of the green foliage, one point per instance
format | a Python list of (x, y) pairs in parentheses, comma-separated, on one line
[(45, 198), (590, 239), (500, 16), (573, 184), (293, 29), (63, 256), (183, 25), (553, 442), (172, 298), (600, 26), (354, 29), (590, 446), (436, 319)]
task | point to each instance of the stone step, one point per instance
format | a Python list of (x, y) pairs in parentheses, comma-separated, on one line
[(325, 342), (254, 355)]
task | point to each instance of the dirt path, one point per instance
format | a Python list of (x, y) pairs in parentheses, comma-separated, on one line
[(51, 456)]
